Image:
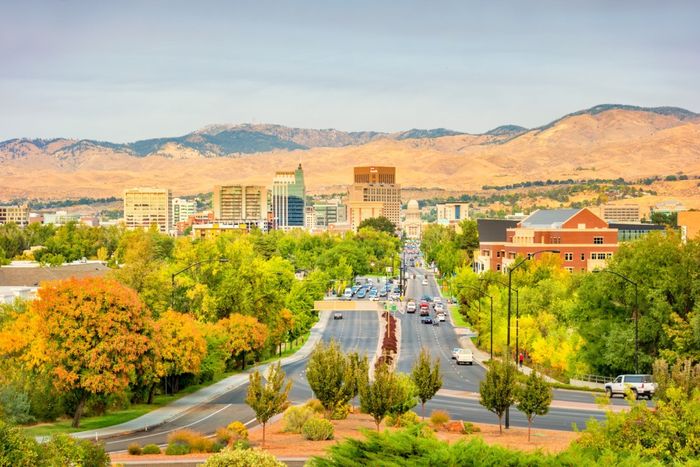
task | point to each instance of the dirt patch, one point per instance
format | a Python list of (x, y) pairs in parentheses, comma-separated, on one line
[(289, 445)]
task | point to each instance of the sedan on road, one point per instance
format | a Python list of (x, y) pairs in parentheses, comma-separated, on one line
[(425, 282), (337, 316), (426, 320), (411, 307)]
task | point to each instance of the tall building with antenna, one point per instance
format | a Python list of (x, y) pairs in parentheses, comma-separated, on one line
[(288, 199)]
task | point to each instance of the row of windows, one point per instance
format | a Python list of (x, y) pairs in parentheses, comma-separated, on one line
[(570, 256)]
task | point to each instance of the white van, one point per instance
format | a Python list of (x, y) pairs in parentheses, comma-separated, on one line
[(465, 357), (348, 294)]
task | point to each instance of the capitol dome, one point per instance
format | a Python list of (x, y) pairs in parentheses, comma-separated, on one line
[(413, 205)]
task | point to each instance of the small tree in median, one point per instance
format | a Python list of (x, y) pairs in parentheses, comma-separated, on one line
[(498, 390), (269, 398), (427, 379), (382, 396), (534, 399)]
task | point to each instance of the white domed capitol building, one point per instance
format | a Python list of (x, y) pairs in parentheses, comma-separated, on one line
[(412, 224)]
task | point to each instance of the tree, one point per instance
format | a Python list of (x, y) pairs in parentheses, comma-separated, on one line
[(269, 398), (426, 378), (92, 333), (377, 397), (331, 376), (245, 334), (497, 389), (380, 223), (534, 399)]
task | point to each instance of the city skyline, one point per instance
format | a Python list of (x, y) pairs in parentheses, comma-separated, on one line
[(144, 70)]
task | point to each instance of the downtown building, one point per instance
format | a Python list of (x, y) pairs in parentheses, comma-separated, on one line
[(374, 193), (585, 241), (288, 199), (15, 214), (144, 207)]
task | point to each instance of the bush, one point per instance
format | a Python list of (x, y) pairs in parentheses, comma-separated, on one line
[(15, 448), (238, 430), (193, 440), (408, 418), (150, 449), (223, 435), (469, 428), (217, 447), (243, 458), (295, 417), (135, 449), (317, 429), (177, 449), (64, 450), (15, 406), (439, 418), (315, 405), (340, 412)]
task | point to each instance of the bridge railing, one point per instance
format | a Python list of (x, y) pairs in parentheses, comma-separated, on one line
[(594, 378)]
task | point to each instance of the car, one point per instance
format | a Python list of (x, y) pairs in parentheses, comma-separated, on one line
[(337, 316), (640, 385), (383, 293), (465, 357), (441, 317), (426, 320), (411, 307), (439, 308), (425, 282), (437, 300), (347, 295), (424, 309), (427, 298), (355, 288), (436, 322), (455, 351)]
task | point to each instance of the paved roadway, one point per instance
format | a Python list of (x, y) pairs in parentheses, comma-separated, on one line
[(358, 331)]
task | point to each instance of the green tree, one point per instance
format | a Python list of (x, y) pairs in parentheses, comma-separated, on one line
[(377, 397), (331, 375), (380, 223), (427, 378), (498, 390), (269, 398), (534, 398)]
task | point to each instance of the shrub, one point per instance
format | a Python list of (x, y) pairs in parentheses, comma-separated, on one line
[(217, 447), (223, 435), (134, 449), (408, 418), (243, 458), (177, 449), (315, 405), (193, 440), (15, 448), (469, 428), (238, 430), (439, 418), (64, 450), (201, 444), (295, 417), (317, 429), (150, 449), (340, 412)]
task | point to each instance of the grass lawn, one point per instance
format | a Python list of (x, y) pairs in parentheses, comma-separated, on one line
[(136, 410), (457, 317)]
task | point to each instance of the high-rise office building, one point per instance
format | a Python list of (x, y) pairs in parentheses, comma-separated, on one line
[(240, 203), (374, 193), (183, 209), (144, 207), (288, 199)]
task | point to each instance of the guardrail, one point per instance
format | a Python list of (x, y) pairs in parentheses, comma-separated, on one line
[(594, 379)]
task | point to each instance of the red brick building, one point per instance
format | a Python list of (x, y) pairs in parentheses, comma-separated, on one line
[(584, 240)]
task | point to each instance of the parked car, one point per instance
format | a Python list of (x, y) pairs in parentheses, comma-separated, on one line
[(362, 293), (465, 357), (347, 295), (426, 320), (337, 316), (641, 386), (411, 307)]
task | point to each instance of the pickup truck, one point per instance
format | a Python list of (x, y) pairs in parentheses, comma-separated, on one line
[(640, 385), (464, 357)]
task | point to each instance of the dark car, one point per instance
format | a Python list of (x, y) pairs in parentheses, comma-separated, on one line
[(427, 298), (337, 316), (426, 320)]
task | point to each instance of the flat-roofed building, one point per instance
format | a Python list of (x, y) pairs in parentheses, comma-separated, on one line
[(372, 187), (183, 209), (236, 203), (288, 199), (452, 213), (625, 213), (15, 214), (144, 207), (689, 225)]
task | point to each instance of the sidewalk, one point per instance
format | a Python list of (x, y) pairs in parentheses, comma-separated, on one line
[(181, 406)]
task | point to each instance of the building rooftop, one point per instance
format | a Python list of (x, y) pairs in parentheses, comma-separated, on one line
[(494, 230), (31, 275), (548, 218)]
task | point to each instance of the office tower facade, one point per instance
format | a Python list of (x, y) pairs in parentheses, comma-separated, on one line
[(288, 199), (240, 203), (144, 207), (374, 193), (15, 214), (183, 209)]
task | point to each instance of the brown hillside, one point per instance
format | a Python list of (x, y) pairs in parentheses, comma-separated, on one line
[(610, 144)]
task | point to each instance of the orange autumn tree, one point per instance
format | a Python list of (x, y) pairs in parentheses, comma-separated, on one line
[(245, 334), (179, 347), (94, 332)]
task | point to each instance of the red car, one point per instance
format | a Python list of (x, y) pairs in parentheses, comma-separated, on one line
[(424, 309)]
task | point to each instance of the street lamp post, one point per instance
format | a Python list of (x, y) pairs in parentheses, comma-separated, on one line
[(636, 313), (172, 276), (481, 293), (510, 293)]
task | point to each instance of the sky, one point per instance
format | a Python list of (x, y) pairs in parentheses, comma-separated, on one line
[(123, 71)]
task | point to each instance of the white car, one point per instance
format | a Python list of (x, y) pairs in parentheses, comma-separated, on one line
[(425, 282), (437, 300), (455, 351), (411, 307), (441, 316), (439, 308), (465, 357)]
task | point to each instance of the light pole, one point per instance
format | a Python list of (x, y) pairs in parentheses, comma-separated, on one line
[(172, 276), (510, 293), (481, 293), (636, 313)]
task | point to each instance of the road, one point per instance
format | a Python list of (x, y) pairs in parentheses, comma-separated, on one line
[(358, 331)]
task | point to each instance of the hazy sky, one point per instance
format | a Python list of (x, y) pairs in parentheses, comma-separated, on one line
[(122, 71)]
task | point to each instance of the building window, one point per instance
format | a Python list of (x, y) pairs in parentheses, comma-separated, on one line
[(597, 240), (486, 252), (583, 256), (568, 256), (498, 267), (568, 269), (592, 255), (556, 240), (608, 255)]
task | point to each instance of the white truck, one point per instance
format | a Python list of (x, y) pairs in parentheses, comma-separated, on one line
[(464, 357), (640, 385)]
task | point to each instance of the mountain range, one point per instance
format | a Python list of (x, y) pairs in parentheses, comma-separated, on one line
[(599, 142)]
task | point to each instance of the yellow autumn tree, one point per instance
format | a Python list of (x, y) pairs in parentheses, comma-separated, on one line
[(245, 334), (92, 332)]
